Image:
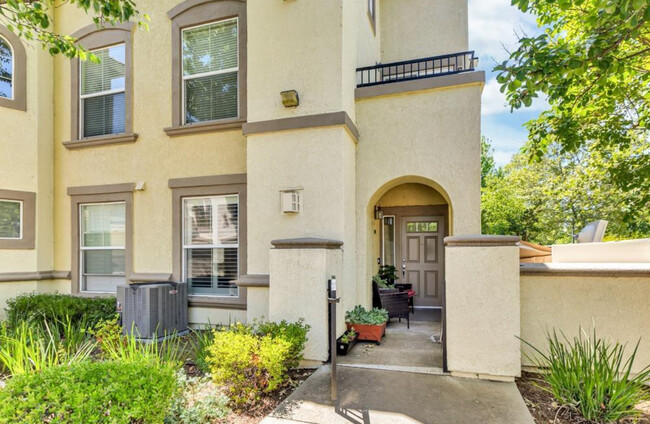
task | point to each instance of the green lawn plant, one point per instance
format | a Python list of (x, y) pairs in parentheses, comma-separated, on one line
[(91, 392), (128, 348), (592, 376), (361, 315), (27, 348)]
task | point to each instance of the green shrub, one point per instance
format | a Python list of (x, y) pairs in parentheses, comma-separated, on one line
[(200, 402), (128, 348), (91, 392), (360, 315), (592, 376), (295, 333), (248, 364), (56, 309), (201, 340), (26, 348)]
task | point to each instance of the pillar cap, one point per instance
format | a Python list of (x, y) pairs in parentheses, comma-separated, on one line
[(307, 243), (253, 280), (481, 240)]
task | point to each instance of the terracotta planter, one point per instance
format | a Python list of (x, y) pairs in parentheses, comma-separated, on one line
[(369, 332)]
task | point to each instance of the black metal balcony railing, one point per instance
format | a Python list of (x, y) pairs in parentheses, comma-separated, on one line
[(416, 69)]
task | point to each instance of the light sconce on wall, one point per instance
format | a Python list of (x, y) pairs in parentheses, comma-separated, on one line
[(291, 201), (379, 214), (290, 98)]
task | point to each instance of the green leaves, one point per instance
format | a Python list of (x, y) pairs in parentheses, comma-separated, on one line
[(32, 21), (592, 64)]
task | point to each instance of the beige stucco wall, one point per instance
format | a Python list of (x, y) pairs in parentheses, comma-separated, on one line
[(199, 317), (429, 137), (440, 26), (617, 306), (26, 159), (257, 304), (411, 194), (482, 311), (298, 289)]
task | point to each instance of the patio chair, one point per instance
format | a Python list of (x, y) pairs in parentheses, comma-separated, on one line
[(394, 301)]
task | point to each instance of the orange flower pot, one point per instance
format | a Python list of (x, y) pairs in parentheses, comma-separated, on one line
[(368, 332)]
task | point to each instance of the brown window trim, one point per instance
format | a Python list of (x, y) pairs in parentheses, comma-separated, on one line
[(197, 12), (19, 76), (28, 218), (99, 194), (209, 186), (92, 37)]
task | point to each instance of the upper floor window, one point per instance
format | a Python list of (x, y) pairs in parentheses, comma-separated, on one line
[(208, 66), (210, 71), (11, 219), (13, 71), (6, 69), (102, 91), (17, 219)]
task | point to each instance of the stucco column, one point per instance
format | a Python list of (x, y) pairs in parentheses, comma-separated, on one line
[(299, 270), (257, 296), (482, 306)]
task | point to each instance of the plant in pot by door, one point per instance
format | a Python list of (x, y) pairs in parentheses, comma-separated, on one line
[(388, 273), (346, 342), (369, 325)]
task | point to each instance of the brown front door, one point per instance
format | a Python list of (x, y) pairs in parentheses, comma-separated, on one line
[(422, 257)]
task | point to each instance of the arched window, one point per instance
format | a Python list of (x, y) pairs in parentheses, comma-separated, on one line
[(6, 69), (13, 62)]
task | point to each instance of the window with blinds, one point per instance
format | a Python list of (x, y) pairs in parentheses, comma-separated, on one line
[(103, 246), (102, 104), (6, 69), (211, 71), (211, 245), (11, 217)]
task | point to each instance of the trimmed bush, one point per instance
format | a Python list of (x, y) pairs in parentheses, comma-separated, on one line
[(248, 364), (592, 376), (91, 392), (293, 332), (55, 309)]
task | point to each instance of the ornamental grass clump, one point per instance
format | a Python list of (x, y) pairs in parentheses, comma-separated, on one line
[(592, 376)]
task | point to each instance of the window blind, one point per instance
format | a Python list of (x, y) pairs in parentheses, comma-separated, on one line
[(103, 246), (211, 244), (6, 69), (103, 92), (210, 71)]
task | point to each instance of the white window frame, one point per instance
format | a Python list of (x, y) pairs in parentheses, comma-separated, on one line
[(82, 288), (185, 247), (13, 70), (22, 218), (83, 97), (207, 74), (383, 244)]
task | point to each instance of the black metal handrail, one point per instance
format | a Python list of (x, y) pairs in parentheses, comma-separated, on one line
[(416, 69)]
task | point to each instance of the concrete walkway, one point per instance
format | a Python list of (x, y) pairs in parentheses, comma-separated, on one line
[(379, 396)]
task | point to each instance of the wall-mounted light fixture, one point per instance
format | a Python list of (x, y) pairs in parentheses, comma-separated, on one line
[(379, 214), (290, 98), (291, 200)]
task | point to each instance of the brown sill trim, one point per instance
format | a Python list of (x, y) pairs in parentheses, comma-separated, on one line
[(419, 85), (7, 277), (101, 140), (586, 270), (481, 241), (253, 280), (149, 277), (207, 302), (307, 243), (101, 189), (204, 127), (303, 122), (214, 180)]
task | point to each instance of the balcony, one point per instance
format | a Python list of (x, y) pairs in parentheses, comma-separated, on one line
[(408, 70)]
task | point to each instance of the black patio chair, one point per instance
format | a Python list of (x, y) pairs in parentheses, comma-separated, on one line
[(394, 301)]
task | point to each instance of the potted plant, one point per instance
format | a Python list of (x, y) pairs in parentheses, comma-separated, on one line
[(370, 325), (346, 342), (388, 273)]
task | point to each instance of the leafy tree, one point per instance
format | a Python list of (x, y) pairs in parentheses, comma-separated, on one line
[(33, 20), (548, 201), (592, 63), (488, 166)]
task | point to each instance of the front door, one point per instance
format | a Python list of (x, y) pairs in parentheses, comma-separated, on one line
[(422, 257)]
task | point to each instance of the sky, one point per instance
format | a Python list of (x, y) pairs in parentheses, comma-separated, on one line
[(492, 27)]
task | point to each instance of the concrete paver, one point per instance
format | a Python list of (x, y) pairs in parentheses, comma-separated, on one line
[(380, 396)]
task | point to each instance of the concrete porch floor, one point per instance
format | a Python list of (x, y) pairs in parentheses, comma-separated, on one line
[(401, 349), (380, 396)]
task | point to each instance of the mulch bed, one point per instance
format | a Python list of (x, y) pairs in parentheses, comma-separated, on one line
[(545, 410)]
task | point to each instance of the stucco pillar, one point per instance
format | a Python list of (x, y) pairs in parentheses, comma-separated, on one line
[(257, 296), (299, 270), (482, 306)]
